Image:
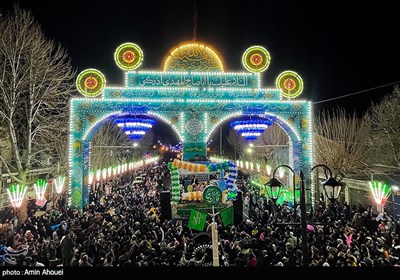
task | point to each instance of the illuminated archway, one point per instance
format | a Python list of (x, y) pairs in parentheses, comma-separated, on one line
[(193, 95)]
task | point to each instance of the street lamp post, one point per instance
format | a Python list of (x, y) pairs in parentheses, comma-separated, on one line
[(304, 241), (275, 187), (331, 186), (275, 183)]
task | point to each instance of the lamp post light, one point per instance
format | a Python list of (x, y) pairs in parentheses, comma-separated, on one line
[(275, 185), (294, 182), (274, 189), (331, 186)]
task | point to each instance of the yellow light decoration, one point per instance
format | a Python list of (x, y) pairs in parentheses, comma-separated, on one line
[(193, 57), (290, 83), (256, 59), (128, 56), (90, 82), (193, 196)]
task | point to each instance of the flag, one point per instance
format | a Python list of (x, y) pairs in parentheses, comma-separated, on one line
[(197, 219), (227, 216)]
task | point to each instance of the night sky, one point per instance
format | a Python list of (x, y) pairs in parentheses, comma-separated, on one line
[(337, 49)]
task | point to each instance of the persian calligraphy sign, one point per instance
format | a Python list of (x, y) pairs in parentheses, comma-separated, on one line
[(205, 79)]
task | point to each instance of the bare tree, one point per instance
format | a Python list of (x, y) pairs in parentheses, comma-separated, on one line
[(107, 144), (238, 143), (265, 148), (341, 141), (274, 146), (384, 119), (36, 80), (110, 145)]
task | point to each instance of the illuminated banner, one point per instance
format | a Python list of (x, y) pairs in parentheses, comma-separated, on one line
[(193, 79), (224, 93)]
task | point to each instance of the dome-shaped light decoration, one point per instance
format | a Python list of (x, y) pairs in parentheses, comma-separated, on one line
[(193, 57), (135, 128), (90, 82), (128, 56), (251, 129), (256, 59), (290, 83)]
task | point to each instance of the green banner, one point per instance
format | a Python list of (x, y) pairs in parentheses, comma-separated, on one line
[(227, 216), (197, 220)]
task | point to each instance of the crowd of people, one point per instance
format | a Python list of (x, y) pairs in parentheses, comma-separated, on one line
[(123, 228)]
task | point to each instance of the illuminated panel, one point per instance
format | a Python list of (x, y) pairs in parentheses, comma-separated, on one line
[(191, 81)]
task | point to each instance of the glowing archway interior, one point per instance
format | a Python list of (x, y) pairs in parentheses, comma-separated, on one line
[(194, 96)]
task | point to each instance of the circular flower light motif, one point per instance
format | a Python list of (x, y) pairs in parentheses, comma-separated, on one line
[(194, 126), (256, 59), (128, 56), (290, 83), (90, 82)]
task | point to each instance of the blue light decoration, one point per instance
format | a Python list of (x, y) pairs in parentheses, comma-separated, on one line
[(251, 129), (134, 127)]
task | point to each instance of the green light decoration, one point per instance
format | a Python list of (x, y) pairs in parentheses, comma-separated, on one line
[(128, 56), (380, 191), (285, 194), (290, 83), (256, 59), (90, 82), (16, 194), (40, 189), (175, 185)]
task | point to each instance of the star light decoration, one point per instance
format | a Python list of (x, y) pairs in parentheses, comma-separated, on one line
[(135, 127), (251, 129)]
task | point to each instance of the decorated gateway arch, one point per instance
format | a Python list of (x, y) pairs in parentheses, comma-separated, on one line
[(193, 94)]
